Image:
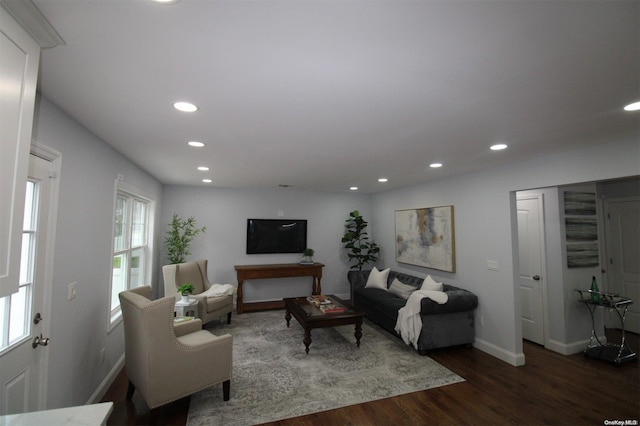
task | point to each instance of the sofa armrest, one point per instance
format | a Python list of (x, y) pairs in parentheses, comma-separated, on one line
[(357, 279), (459, 301)]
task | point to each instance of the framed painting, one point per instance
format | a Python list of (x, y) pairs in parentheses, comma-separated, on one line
[(425, 237)]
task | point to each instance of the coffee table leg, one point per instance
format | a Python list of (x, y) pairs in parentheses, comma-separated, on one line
[(358, 332), (307, 339), (288, 317)]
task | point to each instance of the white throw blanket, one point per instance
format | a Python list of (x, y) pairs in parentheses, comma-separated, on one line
[(409, 323), (217, 290)]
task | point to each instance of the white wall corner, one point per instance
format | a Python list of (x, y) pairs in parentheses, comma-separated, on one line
[(515, 359), (570, 348)]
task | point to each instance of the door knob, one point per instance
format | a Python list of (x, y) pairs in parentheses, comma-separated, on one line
[(39, 340), (536, 277)]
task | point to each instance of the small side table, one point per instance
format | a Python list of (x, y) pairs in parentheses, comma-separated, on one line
[(184, 309)]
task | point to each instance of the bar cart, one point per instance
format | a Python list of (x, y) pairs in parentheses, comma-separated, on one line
[(615, 353)]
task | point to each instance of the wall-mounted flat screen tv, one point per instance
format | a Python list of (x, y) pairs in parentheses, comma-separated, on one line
[(276, 236)]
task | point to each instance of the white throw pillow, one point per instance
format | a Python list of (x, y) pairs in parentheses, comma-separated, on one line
[(401, 289), (430, 284), (378, 279)]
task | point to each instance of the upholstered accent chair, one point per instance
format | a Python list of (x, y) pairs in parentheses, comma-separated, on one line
[(165, 362), (209, 308)]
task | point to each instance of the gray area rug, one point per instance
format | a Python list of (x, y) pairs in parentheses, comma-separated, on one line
[(274, 379)]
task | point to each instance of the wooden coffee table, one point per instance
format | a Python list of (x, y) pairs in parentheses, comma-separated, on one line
[(309, 316)]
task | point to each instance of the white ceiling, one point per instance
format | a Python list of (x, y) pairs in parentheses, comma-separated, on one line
[(326, 94)]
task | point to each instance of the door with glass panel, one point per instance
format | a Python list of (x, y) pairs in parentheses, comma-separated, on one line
[(24, 323)]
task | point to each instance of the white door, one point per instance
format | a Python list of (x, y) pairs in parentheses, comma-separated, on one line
[(623, 263), (22, 316), (531, 249), (19, 58)]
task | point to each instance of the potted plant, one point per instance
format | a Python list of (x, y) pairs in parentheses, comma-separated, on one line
[(307, 256), (185, 290), (356, 241), (179, 237)]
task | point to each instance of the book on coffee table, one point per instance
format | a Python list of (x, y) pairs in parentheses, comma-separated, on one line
[(331, 309), (318, 300)]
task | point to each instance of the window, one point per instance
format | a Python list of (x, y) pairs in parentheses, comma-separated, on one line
[(131, 248), (15, 309)]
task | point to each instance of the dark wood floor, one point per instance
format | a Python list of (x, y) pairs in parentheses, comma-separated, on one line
[(550, 389)]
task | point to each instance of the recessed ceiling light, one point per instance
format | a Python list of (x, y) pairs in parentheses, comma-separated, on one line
[(354, 188), (498, 147), (195, 144), (435, 165), (383, 180), (203, 168), (185, 106), (166, 1), (207, 180), (633, 107)]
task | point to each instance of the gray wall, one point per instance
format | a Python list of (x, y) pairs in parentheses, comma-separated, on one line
[(225, 211), (486, 229), (82, 254)]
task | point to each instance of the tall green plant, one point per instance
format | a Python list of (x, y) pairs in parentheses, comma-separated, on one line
[(356, 241), (179, 237)]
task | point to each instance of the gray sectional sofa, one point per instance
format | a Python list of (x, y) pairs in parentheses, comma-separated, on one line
[(449, 324)]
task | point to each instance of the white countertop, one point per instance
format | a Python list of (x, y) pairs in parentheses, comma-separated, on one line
[(84, 415)]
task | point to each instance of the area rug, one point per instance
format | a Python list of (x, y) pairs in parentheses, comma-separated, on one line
[(273, 378)]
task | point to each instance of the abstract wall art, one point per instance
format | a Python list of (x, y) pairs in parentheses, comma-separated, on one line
[(425, 237), (581, 229)]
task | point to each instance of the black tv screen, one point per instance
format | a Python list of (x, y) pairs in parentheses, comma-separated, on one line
[(276, 236)]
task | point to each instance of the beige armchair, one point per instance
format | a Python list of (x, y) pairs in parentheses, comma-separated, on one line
[(209, 308), (165, 363)]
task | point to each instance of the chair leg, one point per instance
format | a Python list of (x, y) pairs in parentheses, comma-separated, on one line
[(229, 318), (226, 389), (130, 390)]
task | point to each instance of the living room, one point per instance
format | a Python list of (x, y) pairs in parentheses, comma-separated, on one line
[(81, 369)]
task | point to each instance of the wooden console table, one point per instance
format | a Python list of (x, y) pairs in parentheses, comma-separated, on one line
[(280, 270)]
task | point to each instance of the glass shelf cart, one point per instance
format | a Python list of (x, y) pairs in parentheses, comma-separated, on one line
[(615, 353)]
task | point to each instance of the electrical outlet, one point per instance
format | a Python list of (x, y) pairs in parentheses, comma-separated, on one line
[(103, 355), (72, 290)]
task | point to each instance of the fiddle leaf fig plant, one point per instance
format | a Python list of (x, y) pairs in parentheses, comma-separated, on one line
[(356, 241), (179, 237)]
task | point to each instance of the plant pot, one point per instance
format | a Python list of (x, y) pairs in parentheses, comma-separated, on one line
[(185, 299)]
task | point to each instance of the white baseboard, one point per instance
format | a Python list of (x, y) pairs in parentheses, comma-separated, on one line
[(107, 382), (514, 359), (572, 347)]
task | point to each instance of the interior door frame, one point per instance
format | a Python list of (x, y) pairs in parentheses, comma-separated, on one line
[(55, 158), (539, 197), (610, 319)]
